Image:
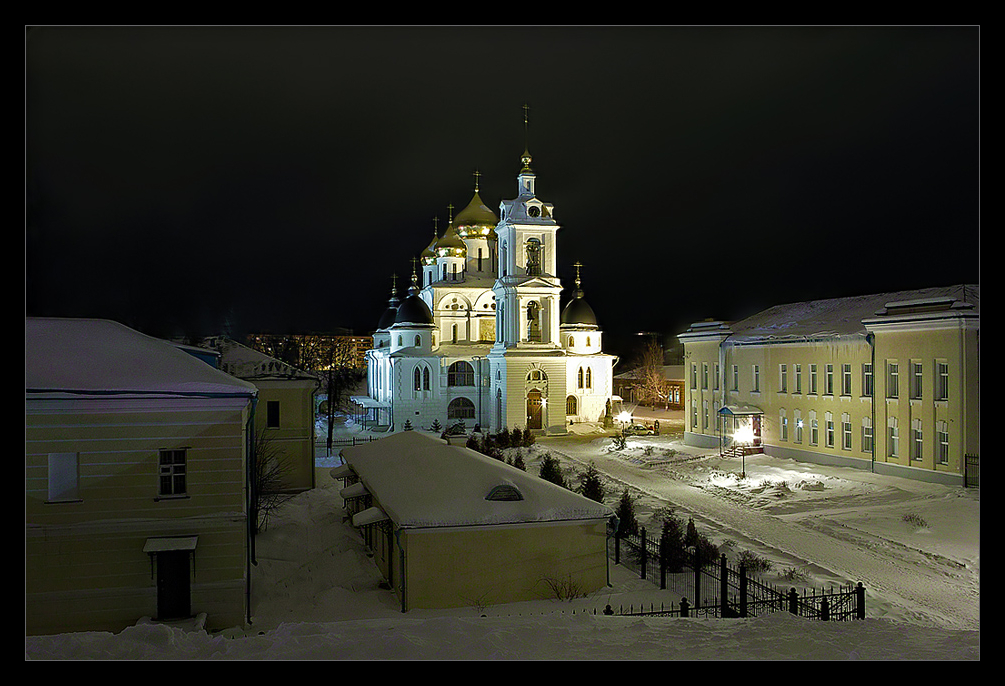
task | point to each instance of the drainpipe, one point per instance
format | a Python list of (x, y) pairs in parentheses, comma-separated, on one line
[(871, 340), (253, 510)]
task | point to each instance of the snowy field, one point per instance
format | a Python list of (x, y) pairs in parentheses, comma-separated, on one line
[(316, 594)]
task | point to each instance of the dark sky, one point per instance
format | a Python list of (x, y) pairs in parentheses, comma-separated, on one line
[(274, 178)]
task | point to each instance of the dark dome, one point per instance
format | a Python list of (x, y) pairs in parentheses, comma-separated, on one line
[(413, 310), (578, 312), (387, 319)]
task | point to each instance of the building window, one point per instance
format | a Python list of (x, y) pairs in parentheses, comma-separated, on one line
[(756, 379), (460, 373), (783, 423), (797, 418), (893, 438), (917, 443), (916, 379), (716, 379), (867, 379), (942, 431), (892, 380), (813, 379), (272, 414), (846, 432), (694, 376), (694, 414), (736, 377), (421, 378), (589, 378), (799, 378), (783, 378), (866, 435), (829, 428), (846, 379), (829, 379), (461, 408), (571, 405), (172, 472), (534, 257), (704, 376), (64, 477), (418, 341), (814, 429), (941, 381), (579, 378)]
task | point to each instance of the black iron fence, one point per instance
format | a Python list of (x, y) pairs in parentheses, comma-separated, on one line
[(971, 471), (714, 588)]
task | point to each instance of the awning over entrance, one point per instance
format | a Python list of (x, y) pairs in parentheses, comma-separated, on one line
[(371, 515), (170, 543), (740, 410)]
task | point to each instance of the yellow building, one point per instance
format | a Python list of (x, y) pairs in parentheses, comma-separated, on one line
[(136, 489), (450, 527), (888, 382), (285, 416)]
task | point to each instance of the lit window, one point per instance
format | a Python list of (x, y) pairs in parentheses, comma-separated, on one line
[(461, 408), (461, 373)]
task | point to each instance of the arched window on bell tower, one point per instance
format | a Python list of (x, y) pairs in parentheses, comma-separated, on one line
[(534, 255)]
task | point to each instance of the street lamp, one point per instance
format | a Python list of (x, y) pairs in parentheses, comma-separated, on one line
[(744, 436)]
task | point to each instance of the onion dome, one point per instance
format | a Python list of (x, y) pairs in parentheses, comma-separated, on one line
[(476, 220), (413, 310), (450, 244), (578, 312), (387, 319)]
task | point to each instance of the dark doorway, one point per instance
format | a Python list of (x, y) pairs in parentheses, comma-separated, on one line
[(174, 599)]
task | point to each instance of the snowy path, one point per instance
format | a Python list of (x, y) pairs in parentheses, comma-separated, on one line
[(836, 537)]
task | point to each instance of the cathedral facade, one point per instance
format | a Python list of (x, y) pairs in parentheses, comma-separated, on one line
[(481, 336)]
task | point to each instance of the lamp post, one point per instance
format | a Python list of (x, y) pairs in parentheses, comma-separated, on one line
[(744, 436)]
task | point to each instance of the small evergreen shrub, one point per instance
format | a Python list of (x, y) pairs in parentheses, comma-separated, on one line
[(754, 563), (915, 520), (551, 470)]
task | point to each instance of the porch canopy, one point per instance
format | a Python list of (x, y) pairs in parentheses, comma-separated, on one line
[(735, 415), (369, 410)]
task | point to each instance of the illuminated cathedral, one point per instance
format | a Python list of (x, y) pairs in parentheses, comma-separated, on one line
[(481, 337)]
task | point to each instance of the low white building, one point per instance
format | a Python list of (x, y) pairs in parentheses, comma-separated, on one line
[(451, 527)]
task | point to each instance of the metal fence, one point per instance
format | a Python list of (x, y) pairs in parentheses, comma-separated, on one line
[(971, 471), (715, 588)]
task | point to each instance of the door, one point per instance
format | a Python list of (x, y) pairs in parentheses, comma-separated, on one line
[(173, 585), (534, 406)]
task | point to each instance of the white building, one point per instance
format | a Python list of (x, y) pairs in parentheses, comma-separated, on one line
[(484, 338)]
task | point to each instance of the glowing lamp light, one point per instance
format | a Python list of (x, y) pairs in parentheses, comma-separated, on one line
[(625, 417), (744, 434)]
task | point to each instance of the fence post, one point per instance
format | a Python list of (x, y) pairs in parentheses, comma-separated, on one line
[(825, 609), (743, 590), (723, 587), (663, 563), (617, 547), (793, 602), (697, 578), (684, 607), (860, 598), (644, 545)]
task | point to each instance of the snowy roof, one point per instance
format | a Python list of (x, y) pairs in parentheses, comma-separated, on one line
[(248, 363), (838, 317), (422, 482), (96, 356)]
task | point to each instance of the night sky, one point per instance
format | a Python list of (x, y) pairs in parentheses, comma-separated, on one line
[(184, 180)]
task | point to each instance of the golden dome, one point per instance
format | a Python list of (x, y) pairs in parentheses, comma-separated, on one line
[(476, 220)]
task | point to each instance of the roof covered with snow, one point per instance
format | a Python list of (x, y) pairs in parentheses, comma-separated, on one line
[(422, 482), (100, 357), (248, 363), (841, 317)]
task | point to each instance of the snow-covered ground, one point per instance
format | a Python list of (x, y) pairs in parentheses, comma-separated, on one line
[(317, 595)]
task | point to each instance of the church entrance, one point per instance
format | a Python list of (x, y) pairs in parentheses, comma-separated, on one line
[(534, 409)]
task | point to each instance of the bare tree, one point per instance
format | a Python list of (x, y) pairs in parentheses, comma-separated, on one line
[(335, 365), (271, 470), (651, 383)]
